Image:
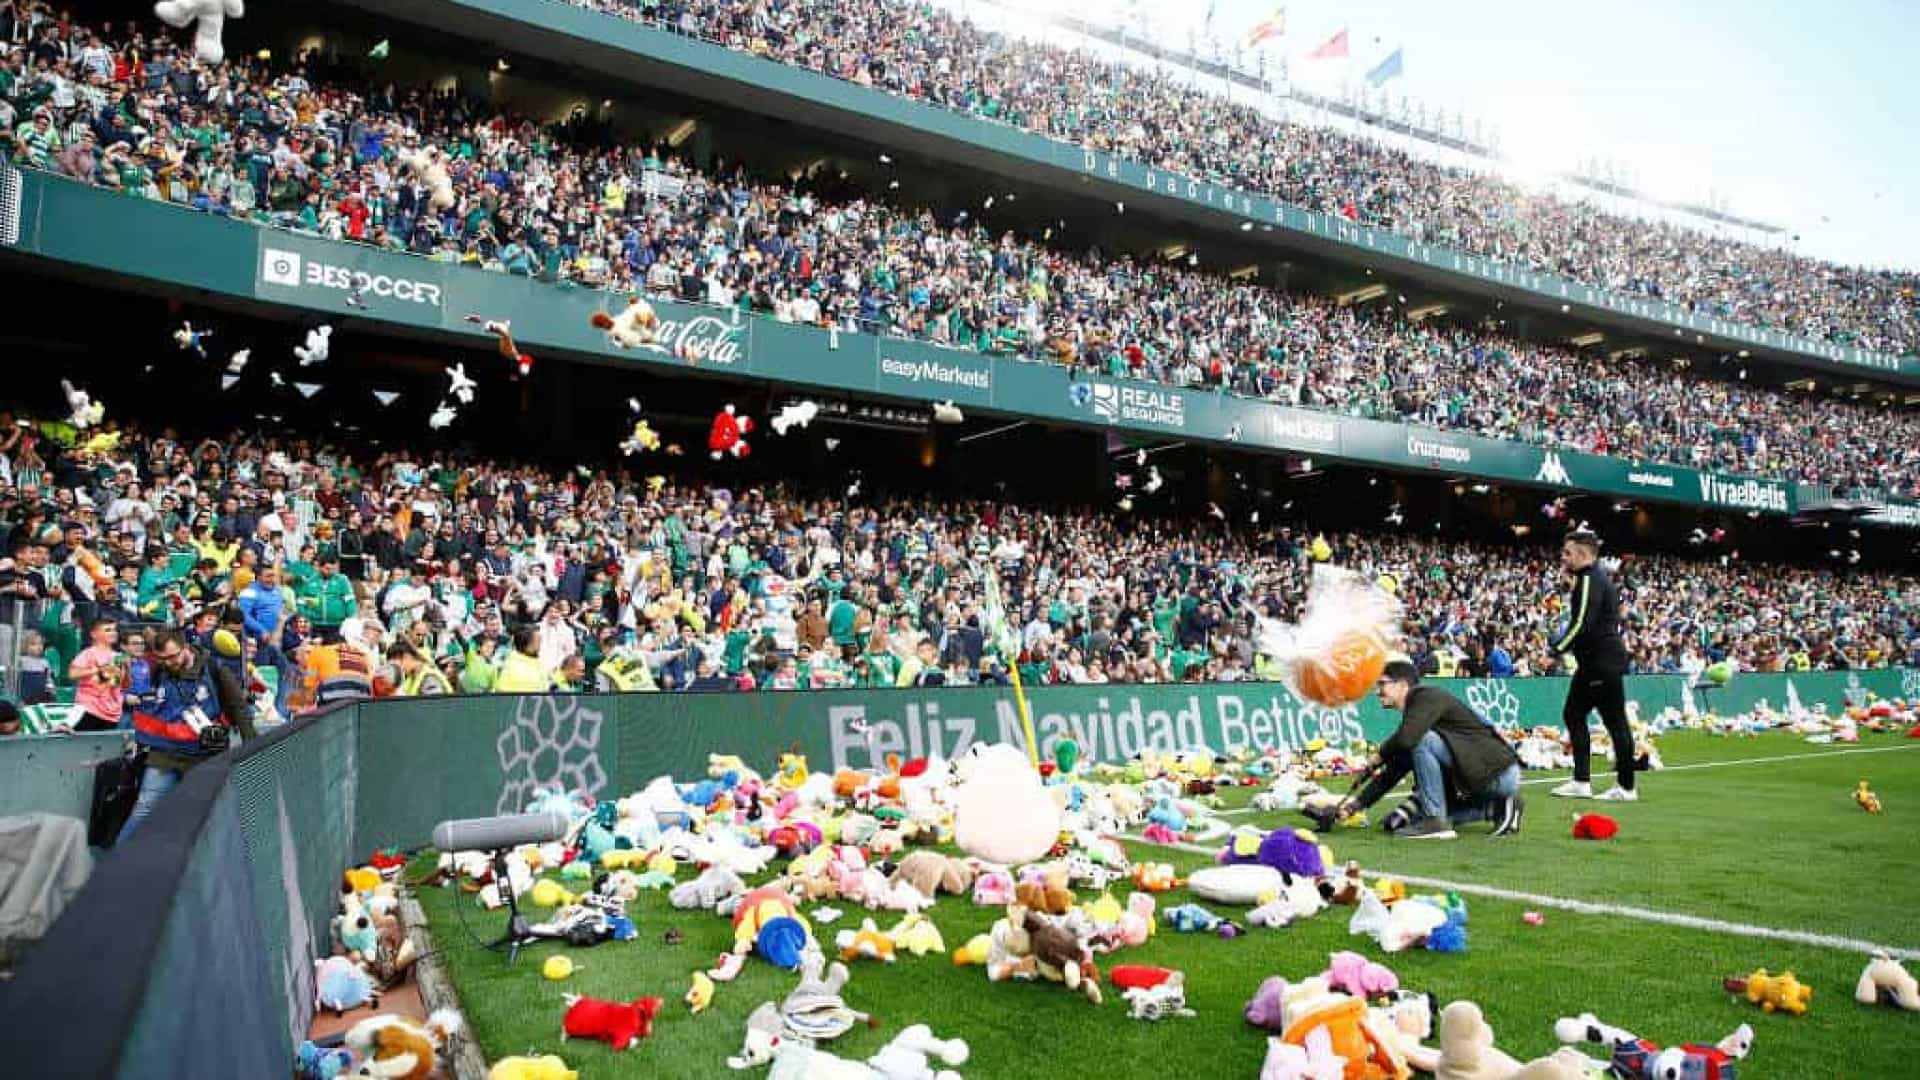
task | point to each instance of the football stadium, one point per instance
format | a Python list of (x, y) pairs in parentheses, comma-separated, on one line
[(885, 540)]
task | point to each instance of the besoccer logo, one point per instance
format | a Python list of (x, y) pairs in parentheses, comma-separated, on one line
[(280, 267), (1552, 471)]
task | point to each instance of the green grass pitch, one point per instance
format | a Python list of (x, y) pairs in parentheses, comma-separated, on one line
[(1774, 843)]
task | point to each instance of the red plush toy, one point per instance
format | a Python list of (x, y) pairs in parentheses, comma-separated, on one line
[(1595, 827), (1140, 976), (729, 434), (618, 1024)]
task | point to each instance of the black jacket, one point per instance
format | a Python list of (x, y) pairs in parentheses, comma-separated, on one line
[(1480, 754), (1592, 633)]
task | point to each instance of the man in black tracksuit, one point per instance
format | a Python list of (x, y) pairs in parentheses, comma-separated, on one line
[(1592, 637), (1463, 769)]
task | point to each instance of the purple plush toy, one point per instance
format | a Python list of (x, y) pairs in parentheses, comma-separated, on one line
[(1283, 849), (1266, 1008)]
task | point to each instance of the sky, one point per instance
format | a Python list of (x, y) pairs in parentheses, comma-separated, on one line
[(1789, 111)]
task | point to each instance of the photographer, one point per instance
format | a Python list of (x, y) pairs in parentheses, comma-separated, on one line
[(193, 709)]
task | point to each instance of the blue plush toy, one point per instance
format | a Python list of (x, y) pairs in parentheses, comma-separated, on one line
[(1190, 919), (340, 985), (1166, 812), (310, 1062), (1450, 936), (781, 941), (357, 935)]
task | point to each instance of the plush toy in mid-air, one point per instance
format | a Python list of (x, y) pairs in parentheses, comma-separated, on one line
[(502, 331), (463, 386), (429, 166), (633, 328), (643, 438), (211, 16), (83, 411), (188, 338), (728, 436), (800, 413)]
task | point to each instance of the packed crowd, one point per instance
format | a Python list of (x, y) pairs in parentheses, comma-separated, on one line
[(334, 573), (569, 202), (925, 52)]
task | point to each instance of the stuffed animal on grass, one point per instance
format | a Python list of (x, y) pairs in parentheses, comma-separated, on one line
[(1355, 974), (1885, 981), (1002, 812), (1406, 1021), (619, 1024), (547, 1067), (400, 1048), (1062, 955), (932, 873), (715, 885), (209, 15), (1866, 798), (1313, 1060), (1044, 888), (1782, 992), (1467, 1052), (1634, 1058), (867, 941)]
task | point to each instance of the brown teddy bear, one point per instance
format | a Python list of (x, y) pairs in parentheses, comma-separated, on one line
[(1062, 956), (1048, 893), (931, 872)]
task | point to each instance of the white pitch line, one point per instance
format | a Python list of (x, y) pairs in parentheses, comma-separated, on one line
[(1587, 907), (1754, 761)]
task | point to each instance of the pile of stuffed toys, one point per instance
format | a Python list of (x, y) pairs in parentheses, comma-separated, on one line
[(785, 855)]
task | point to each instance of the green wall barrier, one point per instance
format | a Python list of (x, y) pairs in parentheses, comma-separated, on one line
[(1217, 205), (77, 224), (52, 773), (422, 762)]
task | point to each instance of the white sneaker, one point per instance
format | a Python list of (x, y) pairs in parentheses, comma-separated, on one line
[(1620, 794), (1574, 789)]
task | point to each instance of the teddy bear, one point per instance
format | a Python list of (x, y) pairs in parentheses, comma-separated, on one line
[(429, 166), (1885, 980), (211, 17), (1044, 888), (1406, 1022), (932, 873), (635, 327), (401, 1048), (619, 1024), (1467, 1052), (1781, 992), (1010, 948)]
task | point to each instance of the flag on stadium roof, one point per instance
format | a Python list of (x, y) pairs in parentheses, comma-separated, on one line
[(1334, 48), (1272, 27), (1386, 70)]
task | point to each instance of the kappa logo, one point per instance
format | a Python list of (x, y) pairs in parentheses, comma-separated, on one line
[(1552, 471)]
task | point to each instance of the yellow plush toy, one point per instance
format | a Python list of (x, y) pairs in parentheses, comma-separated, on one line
[(974, 952), (1774, 993), (531, 1068)]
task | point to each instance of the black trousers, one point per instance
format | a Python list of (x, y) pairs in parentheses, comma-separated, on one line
[(1607, 693)]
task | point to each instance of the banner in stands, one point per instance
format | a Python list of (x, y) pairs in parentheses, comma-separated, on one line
[(422, 761), (88, 226)]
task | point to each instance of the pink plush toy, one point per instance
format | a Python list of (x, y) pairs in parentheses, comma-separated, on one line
[(993, 888), (1137, 924), (1359, 976)]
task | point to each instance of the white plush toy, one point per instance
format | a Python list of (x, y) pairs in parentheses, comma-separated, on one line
[(211, 15), (1002, 813), (429, 166), (633, 328), (800, 413)]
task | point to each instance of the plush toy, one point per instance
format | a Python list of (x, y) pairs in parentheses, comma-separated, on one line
[(428, 165), (931, 873), (1062, 955), (1353, 1035), (632, 328), (1156, 877), (1451, 935), (912, 1054), (1467, 1052), (209, 15), (401, 1048), (866, 942), (354, 931), (727, 967), (728, 435), (1192, 918), (797, 414), (310, 1062), (1355, 974), (341, 985), (1346, 889), (1634, 1058), (1781, 992), (1044, 888), (82, 411), (917, 935), (1866, 798), (1400, 927), (1595, 827), (1406, 1021), (1314, 1059), (700, 994), (1886, 980), (1242, 885), (531, 1068), (1002, 812), (974, 953), (1288, 850), (714, 886), (815, 1008), (558, 968), (993, 888), (619, 1024)]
